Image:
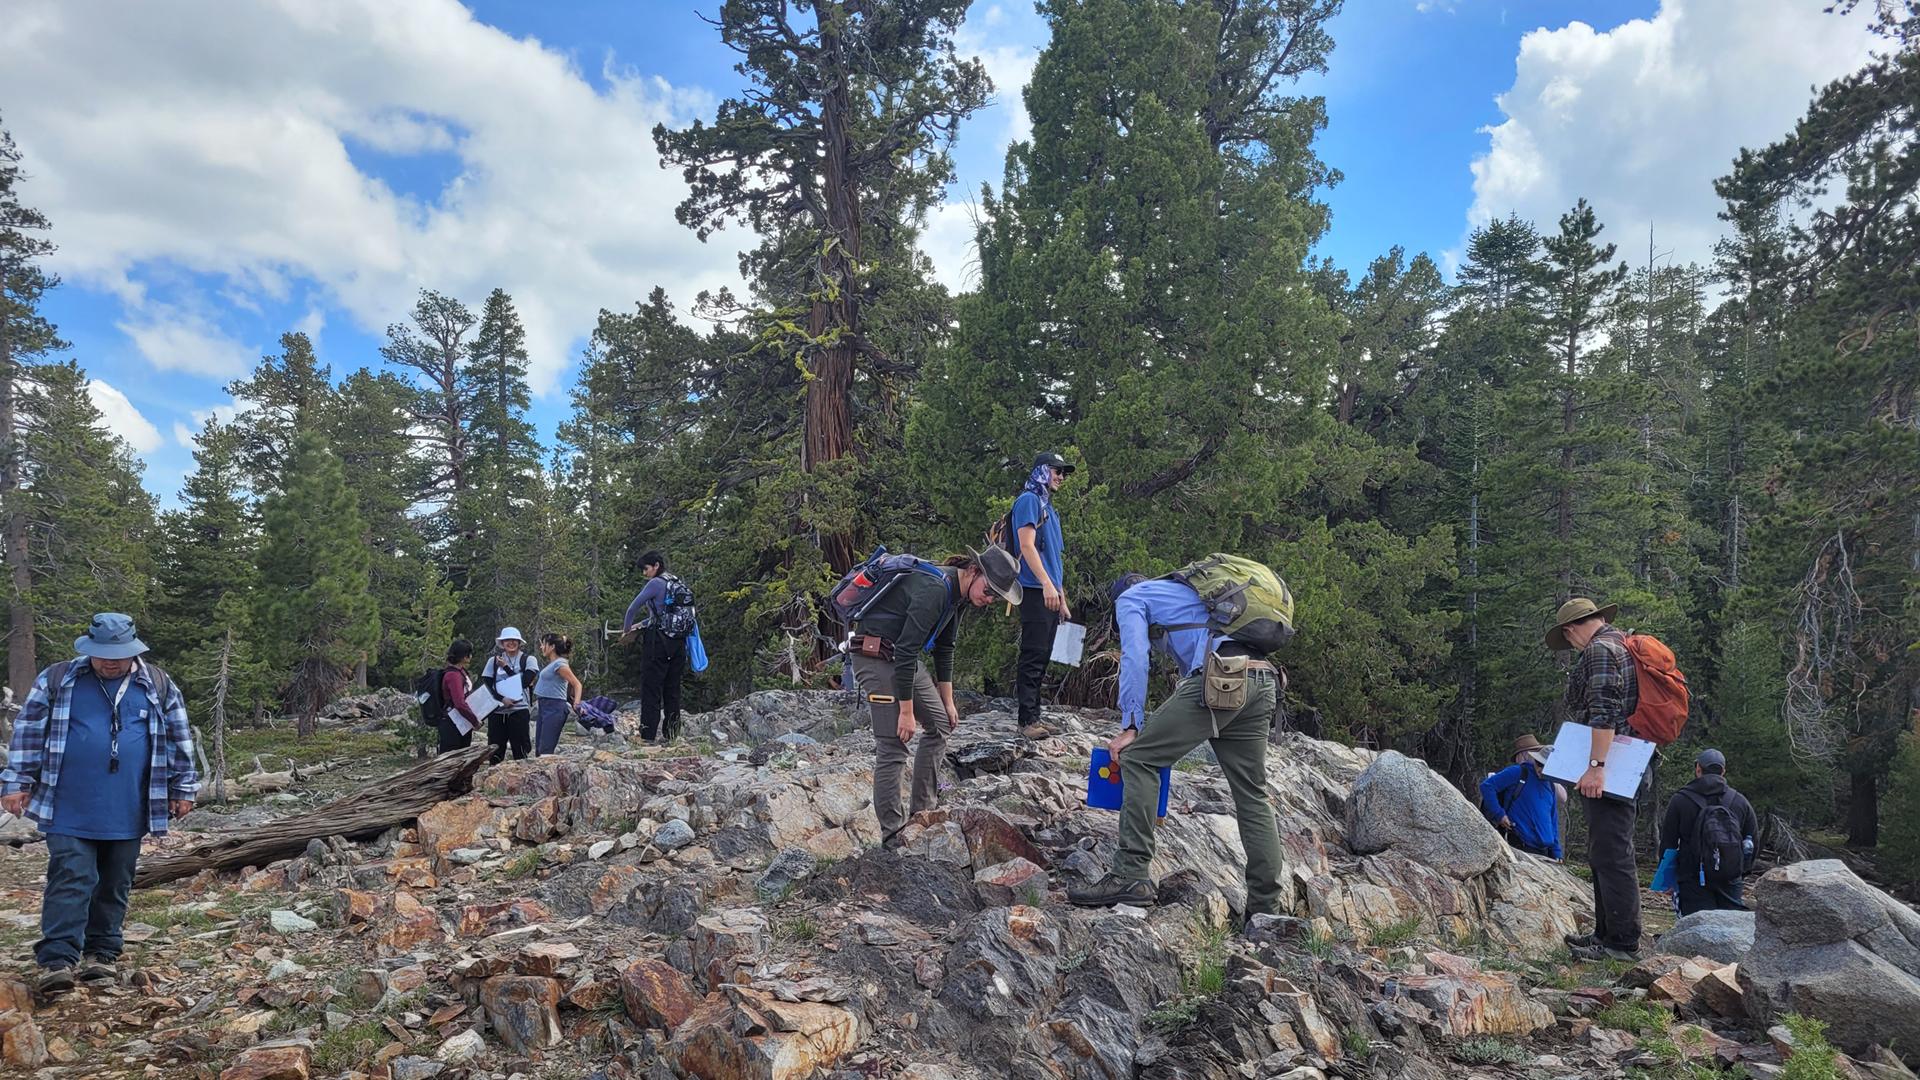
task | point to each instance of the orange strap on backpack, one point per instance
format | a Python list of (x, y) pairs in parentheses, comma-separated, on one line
[(1662, 712)]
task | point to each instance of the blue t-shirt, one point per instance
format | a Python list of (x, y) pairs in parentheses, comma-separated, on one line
[(1028, 510), (90, 802)]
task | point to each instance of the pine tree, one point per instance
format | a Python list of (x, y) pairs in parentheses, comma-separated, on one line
[(505, 469), (316, 615), (834, 155), (206, 550), (369, 426), (24, 334), (433, 353), (89, 520), (279, 392)]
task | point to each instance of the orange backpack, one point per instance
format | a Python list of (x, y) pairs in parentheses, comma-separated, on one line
[(1662, 712)]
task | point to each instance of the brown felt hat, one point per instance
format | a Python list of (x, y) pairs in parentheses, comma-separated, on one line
[(1525, 742), (1578, 609)]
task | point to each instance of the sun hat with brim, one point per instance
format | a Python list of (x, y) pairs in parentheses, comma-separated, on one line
[(1001, 572), (1575, 610), (110, 637), (508, 633), (1525, 742)]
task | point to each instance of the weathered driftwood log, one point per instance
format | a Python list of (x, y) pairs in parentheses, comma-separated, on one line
[(364, 813)]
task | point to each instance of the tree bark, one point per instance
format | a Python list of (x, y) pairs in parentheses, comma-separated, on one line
[(22, 664), (359, 815), (833, 321), (1863, 809)]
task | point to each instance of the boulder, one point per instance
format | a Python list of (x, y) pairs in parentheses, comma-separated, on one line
[(1720, 994), (546, 958), (289, 922), (724, 942), (1466, 1003), (523, 1009), (1830, 946), (747, 1035), (455, 823), (21, 1044), (462, 1048), (656, 994), (673, 836), (1401, 805), (788, 869), (1725, 936), (1010, 882)]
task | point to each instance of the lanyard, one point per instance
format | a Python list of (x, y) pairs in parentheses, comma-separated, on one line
[(113, 714)]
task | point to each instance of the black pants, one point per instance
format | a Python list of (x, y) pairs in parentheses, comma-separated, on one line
[(1037, 627), (1713, 896), (1616, 880), (509, 730), (663, 661), (1514, 842), (452, 738)]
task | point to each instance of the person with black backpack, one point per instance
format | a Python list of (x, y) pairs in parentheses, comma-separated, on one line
[(664, 612), (442, 692), (897, 607), (1712, 829)]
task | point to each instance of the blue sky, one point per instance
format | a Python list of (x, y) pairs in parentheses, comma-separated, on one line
[(218, 176)]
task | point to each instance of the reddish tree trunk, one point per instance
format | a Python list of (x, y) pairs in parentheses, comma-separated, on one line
[(834, 319)]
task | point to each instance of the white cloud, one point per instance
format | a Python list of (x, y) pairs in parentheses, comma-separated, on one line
[(183, 434), (1640, 119), (173, 339), (218, 138), (123, 419)]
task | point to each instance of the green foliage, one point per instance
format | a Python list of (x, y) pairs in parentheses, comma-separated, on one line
[(1814, 1058), (1357, 1044), (1635, 1017), (316, 614), (522, 865), (1393, 934), (1900, 815), (800, 930)]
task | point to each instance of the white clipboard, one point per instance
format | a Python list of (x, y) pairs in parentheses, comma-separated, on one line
[(481, 701), (1069, 643), (507, 687), (1627, 761)]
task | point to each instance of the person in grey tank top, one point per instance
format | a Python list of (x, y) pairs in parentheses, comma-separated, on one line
[(557, 690)]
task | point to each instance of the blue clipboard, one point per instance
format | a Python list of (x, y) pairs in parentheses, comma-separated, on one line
[(1103, 783)]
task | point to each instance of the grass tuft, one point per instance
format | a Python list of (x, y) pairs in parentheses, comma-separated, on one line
[(523, 864), (1490, 1051), (1635, 1017), (1393, 934), (1357, 1045)]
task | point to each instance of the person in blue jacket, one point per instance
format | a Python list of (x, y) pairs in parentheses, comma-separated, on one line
[(1523, 804)]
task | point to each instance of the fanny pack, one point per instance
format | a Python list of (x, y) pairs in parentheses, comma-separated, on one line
[(870, 645), (1225, 685)]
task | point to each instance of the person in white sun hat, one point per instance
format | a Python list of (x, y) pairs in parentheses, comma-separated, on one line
[(509, 675)]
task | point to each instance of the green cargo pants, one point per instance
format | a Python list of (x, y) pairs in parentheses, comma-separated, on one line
[(1181, 723), (890, 754)]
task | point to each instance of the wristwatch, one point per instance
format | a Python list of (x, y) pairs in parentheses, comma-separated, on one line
[(1592, 764)]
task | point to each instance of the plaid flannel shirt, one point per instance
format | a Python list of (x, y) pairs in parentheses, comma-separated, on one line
[(40, 743), (1603, 690)]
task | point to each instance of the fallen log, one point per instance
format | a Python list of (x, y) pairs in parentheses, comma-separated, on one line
[(359, 815)]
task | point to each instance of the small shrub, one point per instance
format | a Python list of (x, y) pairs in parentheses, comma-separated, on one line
[(1032, 896), (1357, 1045), (337, 1051), (1174, 1014), (1394, 933), (1318, 944), (1634, 1017), (800, 931), (1814, 1058), (523, 865), (1491, 1051)]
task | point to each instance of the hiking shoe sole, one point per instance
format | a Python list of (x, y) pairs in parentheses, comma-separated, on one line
[(54, 982), (99, 971), (1602, 952), (1107, 892)]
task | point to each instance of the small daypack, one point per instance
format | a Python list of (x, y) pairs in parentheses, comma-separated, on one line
[(677, 612), (1717, 840), (1662, 712), (429, 692), (1245, 601), (1002, 534), (861, 587)]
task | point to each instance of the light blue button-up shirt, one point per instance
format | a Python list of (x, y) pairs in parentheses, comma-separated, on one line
[(1158, 602)]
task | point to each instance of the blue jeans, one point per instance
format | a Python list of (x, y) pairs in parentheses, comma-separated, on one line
[(86, 899), (553, 720)]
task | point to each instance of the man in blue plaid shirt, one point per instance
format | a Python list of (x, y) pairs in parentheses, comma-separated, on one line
[(101, 756)]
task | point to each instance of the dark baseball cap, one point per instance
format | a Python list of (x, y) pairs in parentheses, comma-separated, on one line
[(1709, 759), (1055, 460)]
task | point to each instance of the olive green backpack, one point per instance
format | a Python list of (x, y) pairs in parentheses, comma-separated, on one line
[(1245, 601)]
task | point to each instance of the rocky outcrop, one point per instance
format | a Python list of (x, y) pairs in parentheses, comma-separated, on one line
[(1401, 805), (1830, 946), (766, 715), (1726, 936)]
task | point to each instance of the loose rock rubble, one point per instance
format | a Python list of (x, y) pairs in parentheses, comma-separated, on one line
[(664, 914)]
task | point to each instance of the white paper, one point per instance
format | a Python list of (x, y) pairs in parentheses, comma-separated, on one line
[(459, 722), (1069, 643), (507, 687), (1626, 763), (481, 701)]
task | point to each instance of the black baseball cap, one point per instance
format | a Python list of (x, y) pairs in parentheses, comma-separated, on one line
[(1055, 460)]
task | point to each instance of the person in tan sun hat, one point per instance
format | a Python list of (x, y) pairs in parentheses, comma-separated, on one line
[(1602, 693), (1522, 803)]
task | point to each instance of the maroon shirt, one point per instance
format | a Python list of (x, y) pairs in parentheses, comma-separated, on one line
[(453, 687)]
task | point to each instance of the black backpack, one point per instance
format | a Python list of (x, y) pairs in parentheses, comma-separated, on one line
[(863, 586), (677, 612), (430, 694), (1718, 841)]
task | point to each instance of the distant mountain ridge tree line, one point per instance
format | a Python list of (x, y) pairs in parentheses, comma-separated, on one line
[(1730, 452)]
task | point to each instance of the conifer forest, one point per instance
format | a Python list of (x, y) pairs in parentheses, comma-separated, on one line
[(1433, 458)]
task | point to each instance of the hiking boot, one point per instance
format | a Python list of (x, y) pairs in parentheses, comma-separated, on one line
[(98, 969), (1580, 941), (55, 981), (1111, 890), (1605, 952), (1038, 730)]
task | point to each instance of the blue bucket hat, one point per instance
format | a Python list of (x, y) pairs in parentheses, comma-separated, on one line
[(110, 637)]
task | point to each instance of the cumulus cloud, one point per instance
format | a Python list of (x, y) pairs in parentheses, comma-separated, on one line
[(172, 339), (221, 139), (1641, 118), (123, 419)]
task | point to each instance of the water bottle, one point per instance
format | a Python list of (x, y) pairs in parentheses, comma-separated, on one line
[(1746, 852)]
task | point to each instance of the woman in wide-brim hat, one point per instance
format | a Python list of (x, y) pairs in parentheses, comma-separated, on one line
[(508, 674)]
